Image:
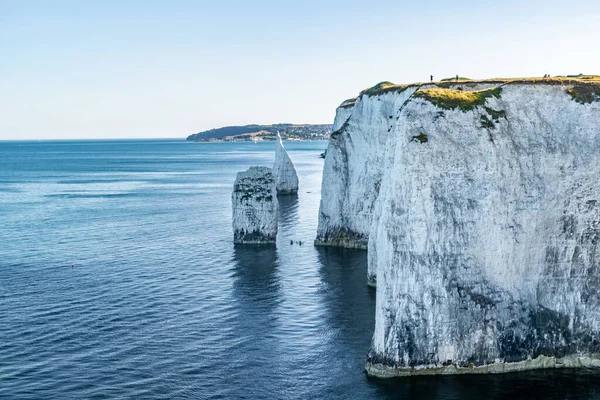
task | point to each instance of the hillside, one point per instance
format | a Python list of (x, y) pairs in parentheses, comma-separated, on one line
[(263, 132)]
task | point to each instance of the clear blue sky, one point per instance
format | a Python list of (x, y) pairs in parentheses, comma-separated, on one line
[(97, 69)]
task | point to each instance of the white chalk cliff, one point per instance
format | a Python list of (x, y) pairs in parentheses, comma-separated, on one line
[(480, 204), (353, 169), (286, 179), (254, 202)]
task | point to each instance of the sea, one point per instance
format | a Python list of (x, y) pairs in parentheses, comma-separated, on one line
[(119, 280)]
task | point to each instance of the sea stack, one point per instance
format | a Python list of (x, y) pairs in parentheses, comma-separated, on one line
[(479, 203), (254, 202), (286, 179)]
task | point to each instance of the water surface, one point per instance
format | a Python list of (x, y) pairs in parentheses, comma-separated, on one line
[(159, 303)]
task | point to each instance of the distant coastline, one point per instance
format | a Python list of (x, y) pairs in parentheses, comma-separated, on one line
[(259, 133)]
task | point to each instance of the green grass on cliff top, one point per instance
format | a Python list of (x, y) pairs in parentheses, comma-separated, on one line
[(383, 87), (582, 88), (450, 99), (460, 78)]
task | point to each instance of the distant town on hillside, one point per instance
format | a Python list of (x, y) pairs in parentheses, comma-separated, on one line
[(249, 133)]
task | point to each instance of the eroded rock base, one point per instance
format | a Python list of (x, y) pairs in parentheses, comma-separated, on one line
[(542, 362)]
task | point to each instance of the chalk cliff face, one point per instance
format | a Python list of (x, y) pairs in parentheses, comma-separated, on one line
[(286, 179), (354, 167), (484, 227), (254, 202)]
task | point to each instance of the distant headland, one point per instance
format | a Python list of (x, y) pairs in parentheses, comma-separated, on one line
[(253, 133)]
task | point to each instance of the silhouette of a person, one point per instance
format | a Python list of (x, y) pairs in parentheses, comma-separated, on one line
[(431, 77)]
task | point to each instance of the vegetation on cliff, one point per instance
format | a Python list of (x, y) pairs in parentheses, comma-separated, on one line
[(585, 92), (460, 78), (384, 87), (450, 99)]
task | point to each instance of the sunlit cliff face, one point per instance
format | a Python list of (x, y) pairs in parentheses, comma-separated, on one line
[(480, 210)]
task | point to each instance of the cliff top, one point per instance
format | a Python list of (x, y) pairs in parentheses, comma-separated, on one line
[(583, 88), (255, 172)]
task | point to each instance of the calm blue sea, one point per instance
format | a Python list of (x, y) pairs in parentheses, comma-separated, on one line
[(119, 279)]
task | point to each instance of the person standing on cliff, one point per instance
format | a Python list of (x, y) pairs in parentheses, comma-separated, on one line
[(431, 77), (456, 77)]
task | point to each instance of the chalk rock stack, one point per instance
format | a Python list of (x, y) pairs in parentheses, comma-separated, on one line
[(286, 179), (255, 205)]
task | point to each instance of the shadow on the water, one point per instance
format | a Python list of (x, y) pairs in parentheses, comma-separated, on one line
[(255, 273), (350, 315), (257, 293), (540, 384), (345, 273), (348, 299), (288, 210)]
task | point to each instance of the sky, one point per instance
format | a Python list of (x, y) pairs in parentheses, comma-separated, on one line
[(166, 69)]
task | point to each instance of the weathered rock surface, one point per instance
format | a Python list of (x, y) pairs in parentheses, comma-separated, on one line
[(254, 202), (482, 222), (286, 179), (353, 170)]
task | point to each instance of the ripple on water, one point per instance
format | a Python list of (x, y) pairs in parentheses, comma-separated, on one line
[(161, 304)]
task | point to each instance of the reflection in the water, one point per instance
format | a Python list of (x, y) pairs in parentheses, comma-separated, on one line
[(350, 305), (255, 272), (347, 296), (256, 289), (288, 212)]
